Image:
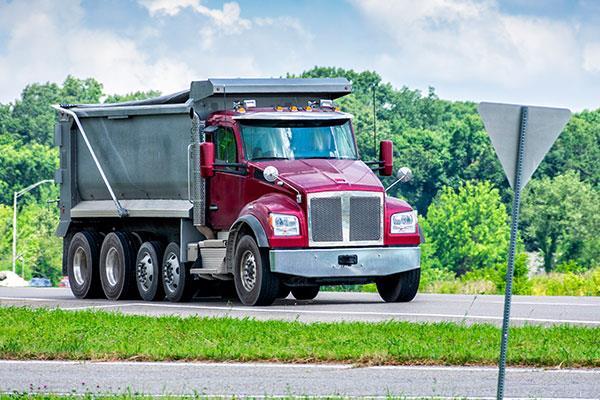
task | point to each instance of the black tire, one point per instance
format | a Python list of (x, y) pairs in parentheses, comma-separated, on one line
[(148, 271), (177, 281), (117, 266), (226, 290), (254, 282), (305, 292), (83, 256), (399, 288)]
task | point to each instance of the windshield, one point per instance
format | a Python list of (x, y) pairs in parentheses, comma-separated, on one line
[(269, 140)]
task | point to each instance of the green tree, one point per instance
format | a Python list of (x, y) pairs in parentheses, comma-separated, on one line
[(561, 217), (24, 164), (139, 95), (576, 149), (466, 229), (31, 119)]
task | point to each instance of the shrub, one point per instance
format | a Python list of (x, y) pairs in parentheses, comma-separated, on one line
[(567, 284), (466, 229)]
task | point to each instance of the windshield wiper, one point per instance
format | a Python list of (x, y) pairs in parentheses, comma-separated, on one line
[(269, 158), (318, 157)]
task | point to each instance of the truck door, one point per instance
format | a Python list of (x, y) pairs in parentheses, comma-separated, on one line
[(224, 188)]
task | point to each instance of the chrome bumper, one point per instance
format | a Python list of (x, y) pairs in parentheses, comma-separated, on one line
[(323, 263)]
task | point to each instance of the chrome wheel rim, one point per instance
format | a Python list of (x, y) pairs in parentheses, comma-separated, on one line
[(80, 266), (145, 272), (113, 266), (248, 270), (172, 272)]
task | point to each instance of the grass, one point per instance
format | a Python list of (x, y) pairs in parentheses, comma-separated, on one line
[(86, 335)]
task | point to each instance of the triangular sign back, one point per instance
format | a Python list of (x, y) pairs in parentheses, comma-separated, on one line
[(503, 124)]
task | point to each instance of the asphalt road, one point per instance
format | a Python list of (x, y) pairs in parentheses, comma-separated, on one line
[(332, 306), (259, 380)]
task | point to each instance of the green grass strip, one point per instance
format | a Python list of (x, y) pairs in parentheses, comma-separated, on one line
[(86, 335)]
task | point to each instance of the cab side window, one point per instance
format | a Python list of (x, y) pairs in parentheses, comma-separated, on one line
[(225, 147)]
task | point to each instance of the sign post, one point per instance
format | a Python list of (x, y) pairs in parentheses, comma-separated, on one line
[(521, 136)]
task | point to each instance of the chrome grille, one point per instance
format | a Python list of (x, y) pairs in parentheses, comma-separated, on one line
[(326, 217), (365, 218), (345, 218)]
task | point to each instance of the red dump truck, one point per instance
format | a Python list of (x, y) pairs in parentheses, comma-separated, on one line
[(255, 184)]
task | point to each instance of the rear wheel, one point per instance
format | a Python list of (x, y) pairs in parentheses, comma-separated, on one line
[(177, 280), (83, 257), (399, 288), (305, 292), (254, 282), (117, 268), (149, 270)]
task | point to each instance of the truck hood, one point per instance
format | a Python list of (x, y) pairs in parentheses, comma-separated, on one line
[(317, 175)]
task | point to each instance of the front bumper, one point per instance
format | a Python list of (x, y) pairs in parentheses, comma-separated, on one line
[(324, 263)]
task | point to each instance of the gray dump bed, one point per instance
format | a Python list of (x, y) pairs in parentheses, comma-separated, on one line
[(143, 146)]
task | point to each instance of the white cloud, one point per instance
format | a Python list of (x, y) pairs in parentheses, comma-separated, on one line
[(226, 18), (167, 7), (46, 43), (591, 57), (461, 40)]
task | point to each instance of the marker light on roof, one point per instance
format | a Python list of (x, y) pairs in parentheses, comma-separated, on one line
[(308, 108), (241, 110), (293, 108), (326, 103), (279, 108), (249, 103)]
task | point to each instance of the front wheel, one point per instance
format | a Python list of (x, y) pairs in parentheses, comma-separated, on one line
[(399, 288), (255, 284)]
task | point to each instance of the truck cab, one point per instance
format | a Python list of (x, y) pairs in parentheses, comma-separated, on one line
[(280, 201)]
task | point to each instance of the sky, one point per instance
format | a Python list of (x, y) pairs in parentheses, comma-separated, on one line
[(539, 52)]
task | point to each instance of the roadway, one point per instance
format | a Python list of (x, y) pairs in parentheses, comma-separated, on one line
[(335, 306), (274, 380)]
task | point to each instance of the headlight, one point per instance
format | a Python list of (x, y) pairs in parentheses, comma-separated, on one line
[(284, 225), (404, 222)]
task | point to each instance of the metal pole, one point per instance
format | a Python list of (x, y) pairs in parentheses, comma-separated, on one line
[(16, 195), (511, 253), (374, 124), (14, 243)]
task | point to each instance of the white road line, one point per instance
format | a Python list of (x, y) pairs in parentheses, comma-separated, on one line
[(478, 300), (181, 364), (308, 312), (26, 299), (336, 312)]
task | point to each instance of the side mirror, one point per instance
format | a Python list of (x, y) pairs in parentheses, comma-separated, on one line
[(207, 159), (386, 158), (404, 175), (271, 174)]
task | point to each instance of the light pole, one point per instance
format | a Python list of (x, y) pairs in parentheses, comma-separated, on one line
[(16, 195)]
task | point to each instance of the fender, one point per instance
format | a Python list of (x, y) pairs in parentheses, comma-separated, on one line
[(257, 230), (255, 225)]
